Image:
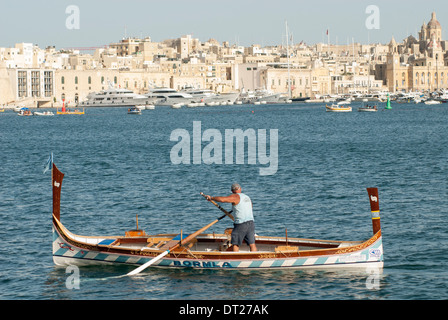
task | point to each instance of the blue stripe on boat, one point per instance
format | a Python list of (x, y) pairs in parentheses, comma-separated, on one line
[(299, 262), (101, 256), (122, 259), (278, 263), (106, 242), (321, 260), (255, 264), (60, 252), (178, 237), (80, 254)]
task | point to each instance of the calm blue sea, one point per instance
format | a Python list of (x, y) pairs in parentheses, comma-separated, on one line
[(118, 165)]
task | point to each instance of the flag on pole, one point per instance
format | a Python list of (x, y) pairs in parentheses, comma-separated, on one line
[(49, 163)]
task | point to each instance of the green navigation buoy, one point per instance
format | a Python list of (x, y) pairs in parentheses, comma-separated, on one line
[(388, 103)]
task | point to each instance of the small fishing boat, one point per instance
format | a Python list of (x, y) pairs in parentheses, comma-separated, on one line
[(134, 110), (338, 108), (209, 251), (43, 113), (368, 108)]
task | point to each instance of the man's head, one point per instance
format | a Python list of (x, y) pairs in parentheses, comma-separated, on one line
[(235, 188)]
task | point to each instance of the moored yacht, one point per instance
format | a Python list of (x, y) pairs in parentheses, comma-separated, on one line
[(115, 97), (261, 96), (169, 97), (209, 96)]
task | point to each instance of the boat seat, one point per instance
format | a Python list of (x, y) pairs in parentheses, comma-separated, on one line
[(283, 249), (176, 240)]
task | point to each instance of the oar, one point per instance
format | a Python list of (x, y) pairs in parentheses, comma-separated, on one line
[(220, 208), (185, 241)]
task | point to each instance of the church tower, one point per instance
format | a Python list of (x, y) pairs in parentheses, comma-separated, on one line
[(429, 33), (393, 65), (434, 29)]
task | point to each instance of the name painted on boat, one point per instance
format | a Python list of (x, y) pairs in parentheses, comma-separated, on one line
[(201, 264)]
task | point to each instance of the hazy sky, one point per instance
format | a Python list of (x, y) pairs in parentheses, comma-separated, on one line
[(43, 22)]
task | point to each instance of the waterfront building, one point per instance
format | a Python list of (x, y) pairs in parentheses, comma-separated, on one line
[(45, 77), (418, 65)]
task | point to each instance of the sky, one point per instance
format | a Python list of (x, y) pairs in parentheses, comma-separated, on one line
[(243, 22)]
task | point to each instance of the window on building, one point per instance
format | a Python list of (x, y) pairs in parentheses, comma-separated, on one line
[(48, 83), (35, 83), (76, 80), (62, 80), (21, 84), (89, 80)]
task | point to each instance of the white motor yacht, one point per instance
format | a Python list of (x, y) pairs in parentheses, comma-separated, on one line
[(169, 97), (115, 97), (260, 95), (210, 97)]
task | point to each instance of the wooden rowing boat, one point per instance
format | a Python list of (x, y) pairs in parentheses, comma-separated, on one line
[(210, 251)]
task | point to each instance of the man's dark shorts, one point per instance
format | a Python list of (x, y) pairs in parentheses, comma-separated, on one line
[(243, 232)]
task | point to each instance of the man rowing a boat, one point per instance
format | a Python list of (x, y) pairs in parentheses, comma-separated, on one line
[(244, 227)]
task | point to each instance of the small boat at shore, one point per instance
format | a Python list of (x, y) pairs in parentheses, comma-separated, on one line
[(432, 102), (338, 108), (43, 113), (24, 112), (134, 110), (210, 250)]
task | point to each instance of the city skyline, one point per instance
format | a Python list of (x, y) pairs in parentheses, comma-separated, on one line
[(244, 22)]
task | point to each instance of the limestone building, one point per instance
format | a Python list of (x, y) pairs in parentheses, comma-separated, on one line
[(418, 65)]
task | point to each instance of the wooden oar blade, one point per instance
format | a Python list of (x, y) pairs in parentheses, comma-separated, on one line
[(160, 256), (147, 264)]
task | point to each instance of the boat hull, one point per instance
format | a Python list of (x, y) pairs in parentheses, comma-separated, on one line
[(339, 109), (68, 251), (367, 110)]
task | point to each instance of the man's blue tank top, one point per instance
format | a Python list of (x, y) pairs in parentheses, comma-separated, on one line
[(243, 210)]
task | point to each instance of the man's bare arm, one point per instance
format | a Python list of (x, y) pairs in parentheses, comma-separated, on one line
[(233, 198)]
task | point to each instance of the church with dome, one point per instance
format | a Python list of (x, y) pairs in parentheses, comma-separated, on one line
[(418, 64)]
